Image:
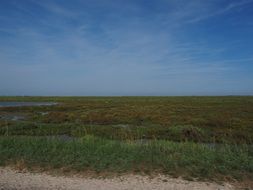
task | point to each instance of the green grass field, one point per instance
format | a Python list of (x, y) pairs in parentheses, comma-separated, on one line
[(204, 137)]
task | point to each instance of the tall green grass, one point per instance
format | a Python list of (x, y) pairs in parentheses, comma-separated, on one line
[(91, 153)]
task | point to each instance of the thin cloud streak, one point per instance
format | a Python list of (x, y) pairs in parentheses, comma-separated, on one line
[(224, 10)]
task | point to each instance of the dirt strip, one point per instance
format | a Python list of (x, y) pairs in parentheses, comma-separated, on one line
[(11, 179)]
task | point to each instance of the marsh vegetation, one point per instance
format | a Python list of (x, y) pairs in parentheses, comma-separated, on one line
[(204, 137)]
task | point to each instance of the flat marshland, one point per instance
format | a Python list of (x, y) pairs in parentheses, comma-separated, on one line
[(192, 137)]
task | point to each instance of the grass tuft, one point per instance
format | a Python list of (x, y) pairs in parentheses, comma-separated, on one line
[(93, 153)]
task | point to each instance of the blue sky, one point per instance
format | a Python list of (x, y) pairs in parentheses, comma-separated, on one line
[(126, 47)]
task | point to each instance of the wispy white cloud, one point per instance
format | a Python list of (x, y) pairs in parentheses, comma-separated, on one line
[(56, 8), (220, 11)]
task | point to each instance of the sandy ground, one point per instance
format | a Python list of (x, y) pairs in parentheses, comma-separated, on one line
[(11, 179)]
